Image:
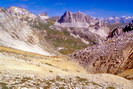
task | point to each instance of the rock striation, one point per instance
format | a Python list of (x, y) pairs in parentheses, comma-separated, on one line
[(26, 16), (16, 34), (76, 19)]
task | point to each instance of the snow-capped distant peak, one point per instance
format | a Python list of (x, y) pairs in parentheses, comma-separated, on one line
[(122, 19)]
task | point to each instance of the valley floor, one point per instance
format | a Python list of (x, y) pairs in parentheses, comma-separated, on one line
[(25, 70)]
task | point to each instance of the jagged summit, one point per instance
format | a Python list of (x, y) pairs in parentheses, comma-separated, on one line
[(83, 26), (80, 17)]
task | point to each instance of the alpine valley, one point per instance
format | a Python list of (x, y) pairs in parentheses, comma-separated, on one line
[(72, 51)]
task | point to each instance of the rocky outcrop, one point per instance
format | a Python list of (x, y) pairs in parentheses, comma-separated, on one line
[(16, 34), (116, 32), (79, 20), (112, 56), (22, 14), (43, 16), (26, 16)]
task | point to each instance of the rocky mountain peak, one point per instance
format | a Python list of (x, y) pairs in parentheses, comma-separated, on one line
[(43, 16), (22, 14), (70, 17), (20, 11), (1, 9), (66, 17), (26, 16), (84, 23)]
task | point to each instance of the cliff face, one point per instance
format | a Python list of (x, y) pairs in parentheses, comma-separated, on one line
[(112, 56), (78, 17), (16, 34)]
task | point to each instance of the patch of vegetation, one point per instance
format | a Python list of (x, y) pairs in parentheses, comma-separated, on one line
[(64, 40), (19, 52), (65, 70), (58, 78), (81, 79), (50, 71), (95, 84), (3, 85), (48, 64), (110, 87), (46, 87), (25, 79), (61, 39), (48, 83), (61, 88)]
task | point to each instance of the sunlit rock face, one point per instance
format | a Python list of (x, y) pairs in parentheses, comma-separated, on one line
[(89, 29), (26, 16), (22, 14), (16, 34)]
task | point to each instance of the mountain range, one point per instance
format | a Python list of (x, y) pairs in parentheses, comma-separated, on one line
[(118, 20), (74, 51)]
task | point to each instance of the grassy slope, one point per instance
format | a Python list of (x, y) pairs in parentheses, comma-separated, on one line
[(61, 39), (16, 60)]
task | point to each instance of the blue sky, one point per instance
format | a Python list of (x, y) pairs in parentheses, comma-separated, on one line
[(97, 8)]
